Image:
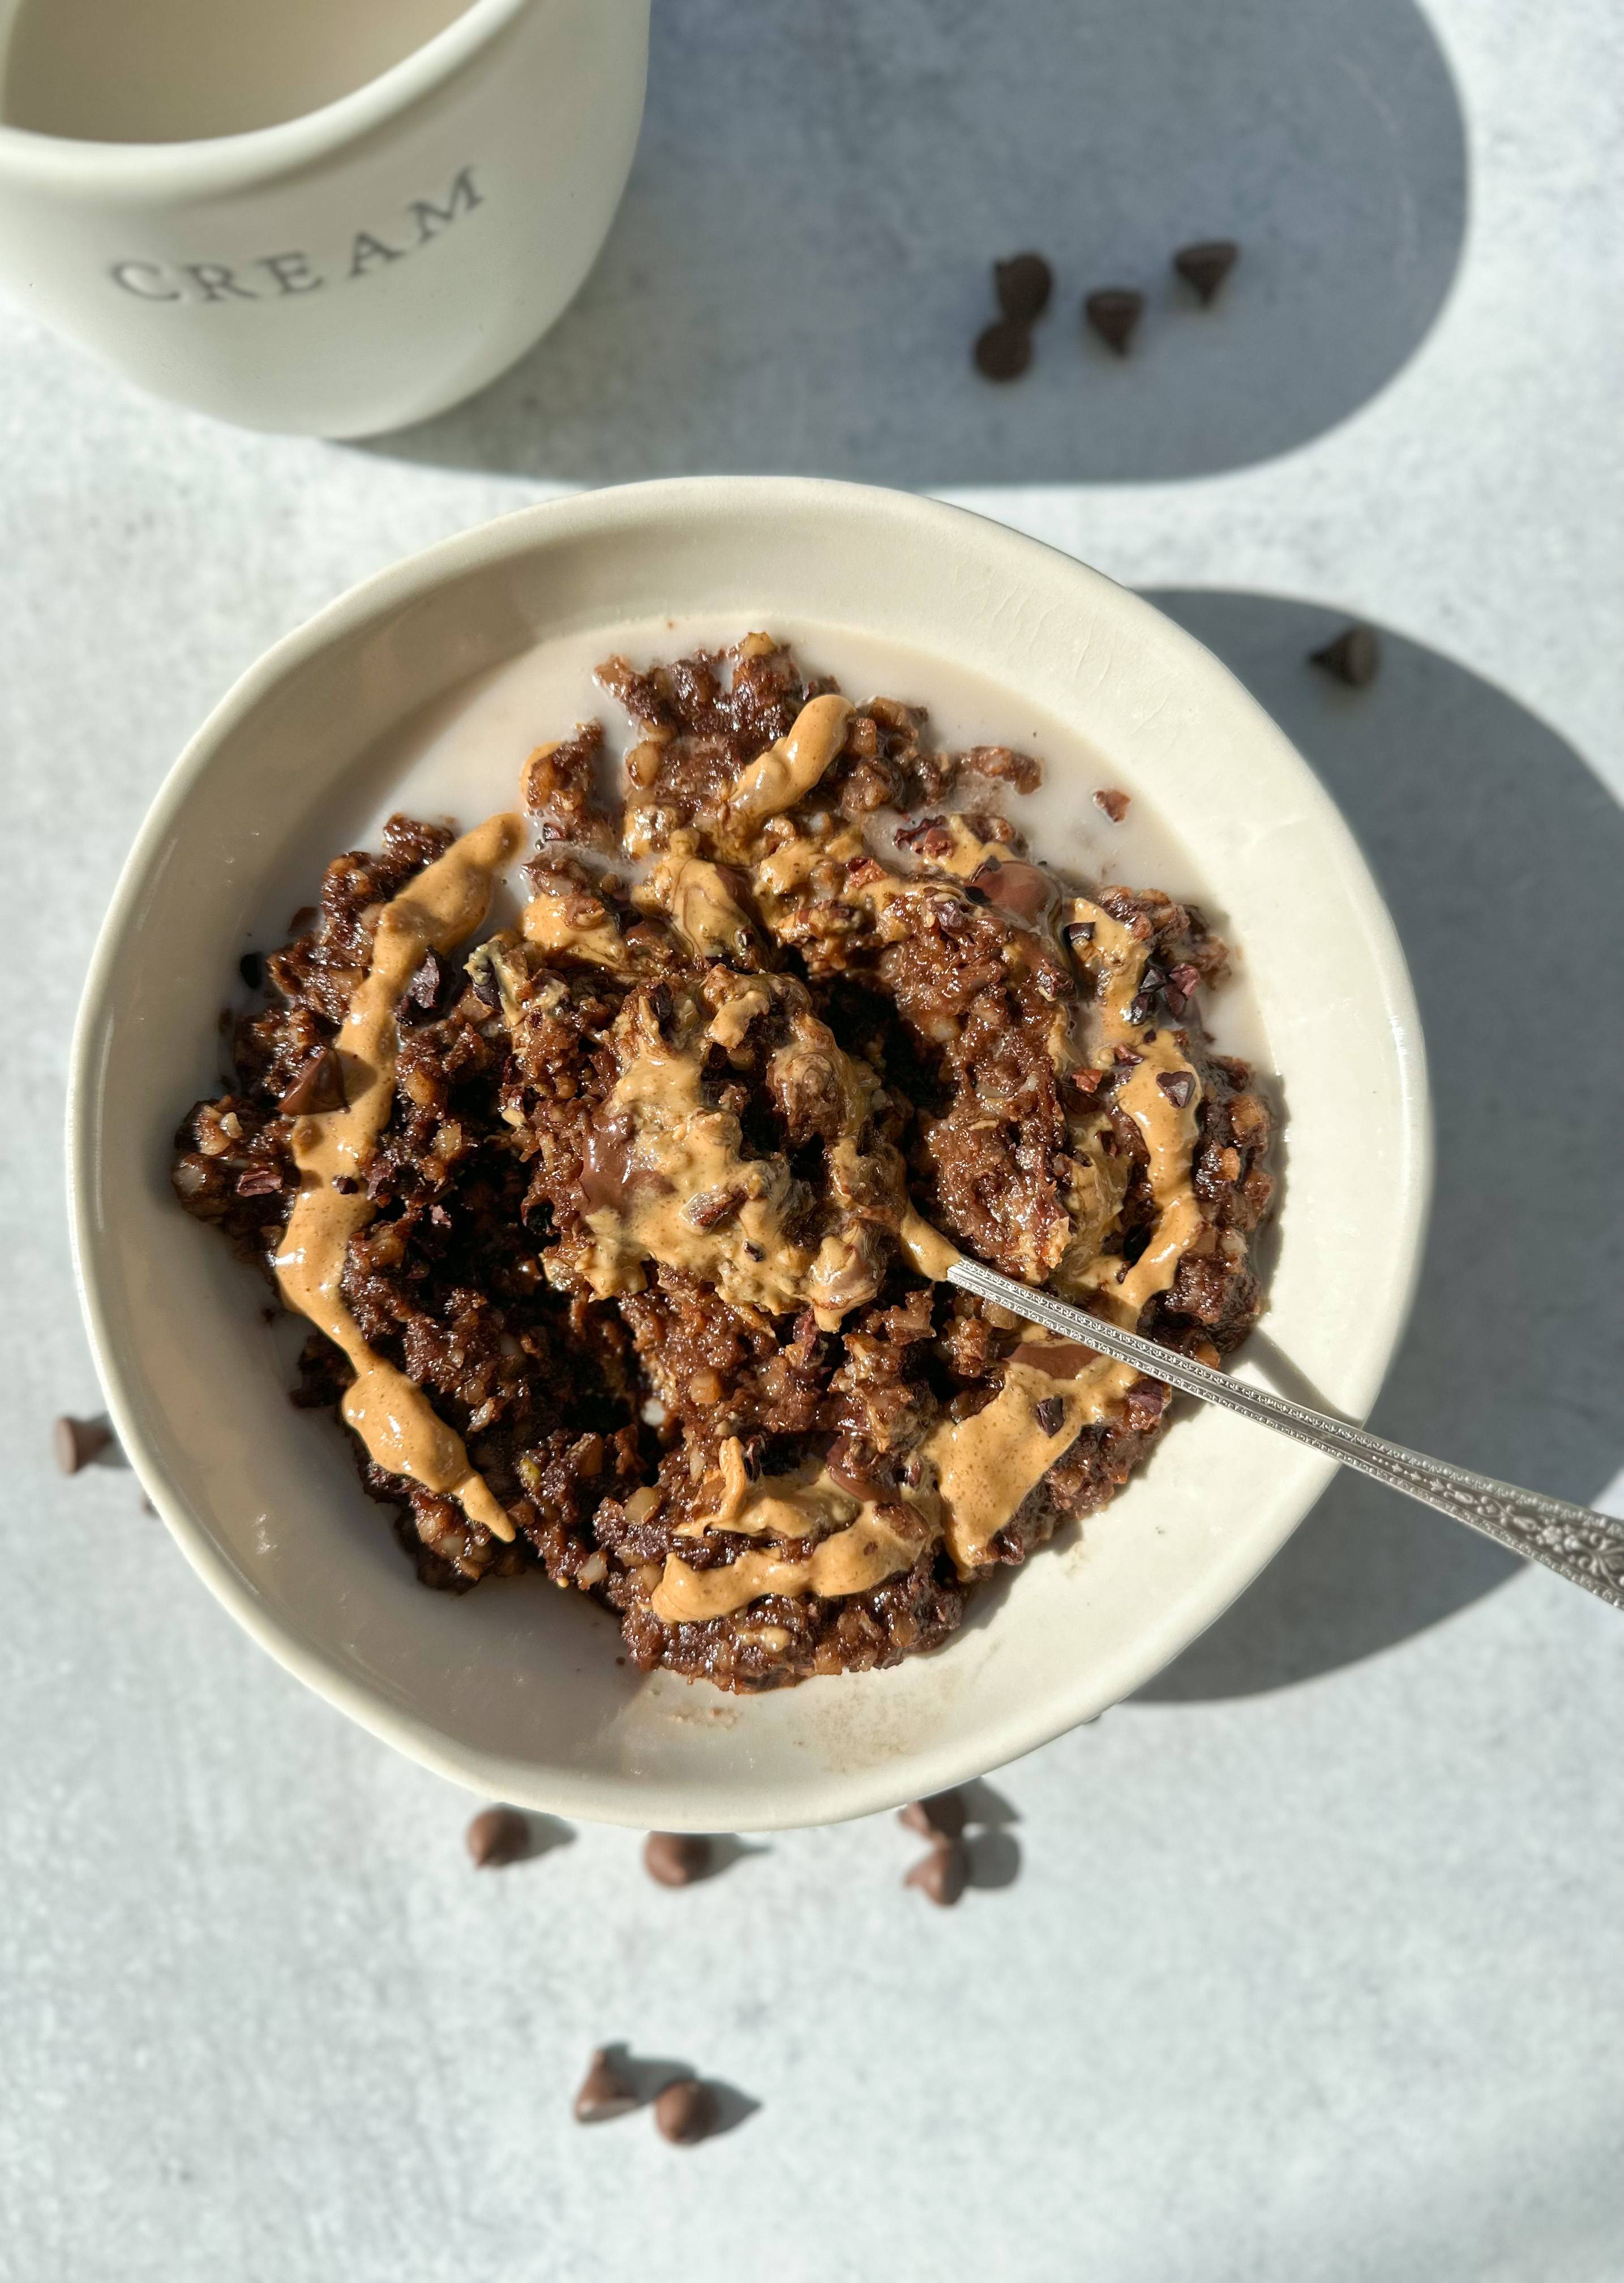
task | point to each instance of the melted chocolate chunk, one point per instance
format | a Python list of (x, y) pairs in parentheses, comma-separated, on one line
[(319, 1086)]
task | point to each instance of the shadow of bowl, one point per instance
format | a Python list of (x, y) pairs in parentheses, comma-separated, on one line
[(803, 259), (1500, 855)]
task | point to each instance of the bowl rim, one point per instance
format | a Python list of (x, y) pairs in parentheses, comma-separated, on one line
[(632, 1801)]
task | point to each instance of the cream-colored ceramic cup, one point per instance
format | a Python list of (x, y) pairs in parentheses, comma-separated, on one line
[(515, 1689), (360, 266)]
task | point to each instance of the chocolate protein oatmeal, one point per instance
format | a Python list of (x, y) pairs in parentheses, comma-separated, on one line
[(615, 1227)]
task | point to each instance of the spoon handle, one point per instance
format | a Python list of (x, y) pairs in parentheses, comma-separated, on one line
[(1580, 1544)]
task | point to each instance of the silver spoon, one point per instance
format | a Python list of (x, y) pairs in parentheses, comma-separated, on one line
[(1580, 1544)]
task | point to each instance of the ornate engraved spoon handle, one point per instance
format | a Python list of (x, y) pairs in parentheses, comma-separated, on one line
[(1586, 1547)]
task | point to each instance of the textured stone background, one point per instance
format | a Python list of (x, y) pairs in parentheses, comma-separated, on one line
[(1305, 1966)]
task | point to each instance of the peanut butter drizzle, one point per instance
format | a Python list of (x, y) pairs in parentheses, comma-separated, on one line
[(987, 1466), (695, 895), (787, 771), (1169, 1133), (928, 1250), (856, 1554), (568, 919), (393, 1417), (681, 1152)]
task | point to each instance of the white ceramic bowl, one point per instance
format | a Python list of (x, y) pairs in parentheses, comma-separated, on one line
[(514, 1690)]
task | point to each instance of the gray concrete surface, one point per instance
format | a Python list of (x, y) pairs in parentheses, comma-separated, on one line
[(1305, 1965)]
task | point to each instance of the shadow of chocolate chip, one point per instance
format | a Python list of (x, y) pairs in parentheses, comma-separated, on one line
[(723, 1850), (994, 1858), (732, 2106), (645, 2076), (985, 1807)]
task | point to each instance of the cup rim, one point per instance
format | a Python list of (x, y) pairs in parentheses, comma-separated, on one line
[(588, 1795), (215, 164)]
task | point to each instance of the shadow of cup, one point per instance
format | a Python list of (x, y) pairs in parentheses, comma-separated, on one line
[(802, 259), (1500, 856)]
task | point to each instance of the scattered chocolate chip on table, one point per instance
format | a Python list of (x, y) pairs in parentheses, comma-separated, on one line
[(604, 2093), (1205, 266), (942, 1875), (940, 1818), (1113, 802), (1004, 351), (1114, 312), (685, 2112), (676, 1858), (1023, 284), (1354, 657), (75, 1442), (496, 1837)]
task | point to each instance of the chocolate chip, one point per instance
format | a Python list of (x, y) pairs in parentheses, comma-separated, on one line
[(75, 1442), (941, 1817), (1114, 312), (1079, 932), (856, 1472), (251, 967), (496, 1837), (1020, 889), (1178, 1085), (940, 1876), (676, 1858), (1051, 1415), (1354, 657), (604, 2092), (260, 1181), (1023, 284), (685, 2112), (1113, 803), (1004, 351), (318, 1084), (1181, 986), (424, 989), (1125, 1057), (1205, 265)]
